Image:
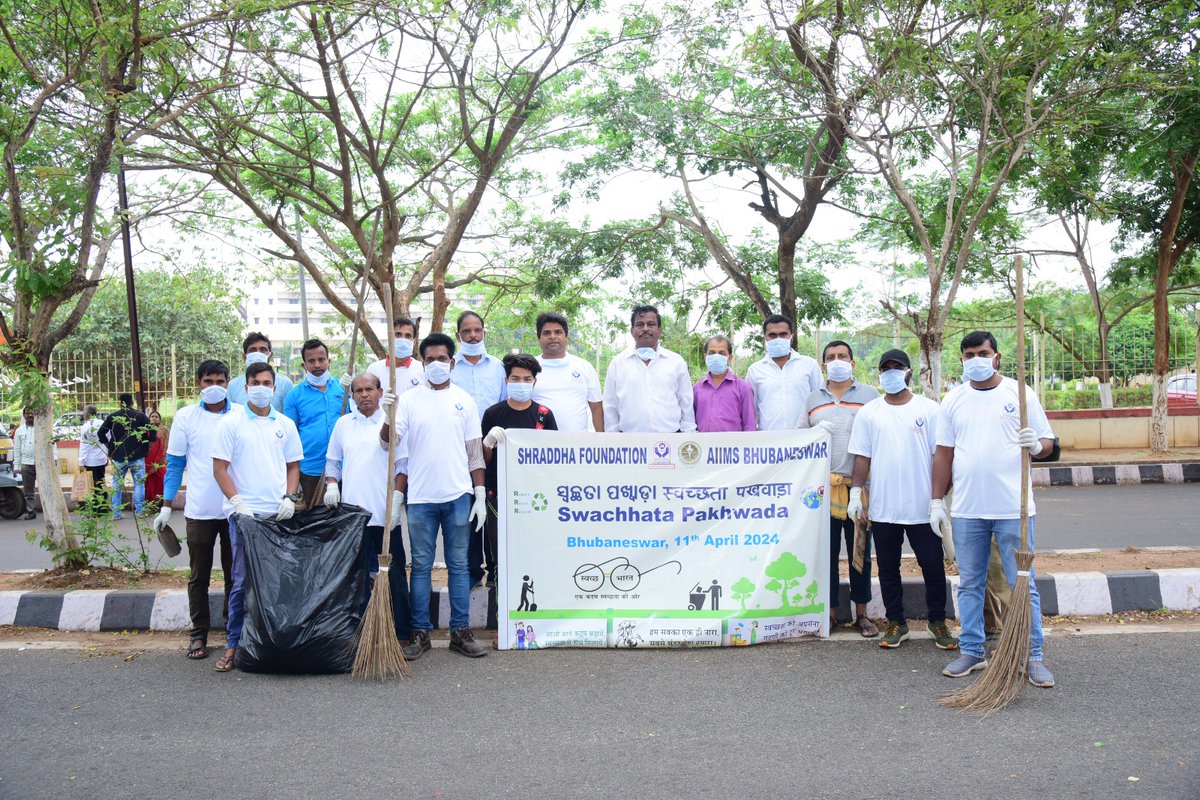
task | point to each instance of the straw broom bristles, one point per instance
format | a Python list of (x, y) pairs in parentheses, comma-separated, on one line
[(379, 654)]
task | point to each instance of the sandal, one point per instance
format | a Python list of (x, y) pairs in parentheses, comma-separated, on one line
[(225, 662), (197, 649), (866, 627)]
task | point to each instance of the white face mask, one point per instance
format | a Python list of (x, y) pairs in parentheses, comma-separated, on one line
[(317, 380), (468, 349), (777, 348), (839, 370), (256, 358), (259, 396), (213, 394), (402, 348), (646, 353), (437, 372), (893, 381), (520, 391), (979, 368)]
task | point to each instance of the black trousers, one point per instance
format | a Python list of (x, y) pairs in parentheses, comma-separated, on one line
[(889, 537), (28, 481), (202, 535)]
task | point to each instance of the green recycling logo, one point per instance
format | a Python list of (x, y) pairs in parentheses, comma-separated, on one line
[(539, 502)]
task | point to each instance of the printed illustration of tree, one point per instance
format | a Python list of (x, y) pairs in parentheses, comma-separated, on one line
[(787, 570), (741, 591)]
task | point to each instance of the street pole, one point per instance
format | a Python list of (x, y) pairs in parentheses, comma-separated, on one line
[(130, 293), (1198, 355), (300, 266)]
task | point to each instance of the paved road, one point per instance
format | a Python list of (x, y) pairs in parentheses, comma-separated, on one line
[(819, 720), (1108, 517)]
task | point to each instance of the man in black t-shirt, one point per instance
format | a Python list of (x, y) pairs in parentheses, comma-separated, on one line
[(518, 411)]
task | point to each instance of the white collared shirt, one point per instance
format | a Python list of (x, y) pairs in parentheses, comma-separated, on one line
[(258, 450), (355, 457), (654, 397), (780, 393), (567, 386)]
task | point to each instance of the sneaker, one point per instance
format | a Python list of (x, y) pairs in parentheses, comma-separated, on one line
[(1038, 675), (896, 633), (964, 665), (463, 641), (418, 647), (941, 636)]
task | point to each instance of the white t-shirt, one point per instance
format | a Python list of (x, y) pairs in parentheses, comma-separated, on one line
[(981, 425), (566, 386), (654, 397), (91, 452), (900, 441), (433, 426), (356, 458), (258, 450), (194, 436), (780, 394), (407, 378)]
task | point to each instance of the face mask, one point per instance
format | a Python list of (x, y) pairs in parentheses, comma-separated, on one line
[(402, 348), (213, 394), (978, 369), (256, 358), (520, 391), (472, 350), (259, 396), (893, 381), (646, 353), (317, 380), (776, 348), (839, 370), (717, 364), (437, 372)]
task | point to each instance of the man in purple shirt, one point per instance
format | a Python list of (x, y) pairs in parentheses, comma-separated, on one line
[(723, 401)]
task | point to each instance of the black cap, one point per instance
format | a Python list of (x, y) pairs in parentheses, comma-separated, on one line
[(895, 355)]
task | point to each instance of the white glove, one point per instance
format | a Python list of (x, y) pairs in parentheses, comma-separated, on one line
[(346, 380), (286, 509), (494, 437), (479, 508), (333, 495), (939, 518), (827, 426), (854, 509), (240, 506), (397, 503), (387, 401), (1028, 438), (162, 520)]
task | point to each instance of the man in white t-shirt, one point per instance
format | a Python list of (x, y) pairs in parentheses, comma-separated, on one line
[(647, 388), (193, 440), (442, 477), (92, 455), (893, 439), (568, 385), (256, 464), (409, 372), (356, 460), (980, 442), (783, 379)]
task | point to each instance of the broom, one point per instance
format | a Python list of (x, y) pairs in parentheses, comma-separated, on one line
[(379, 654), (1004, 678)]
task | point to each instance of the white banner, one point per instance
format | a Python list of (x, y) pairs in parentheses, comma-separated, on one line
[(662, 540)]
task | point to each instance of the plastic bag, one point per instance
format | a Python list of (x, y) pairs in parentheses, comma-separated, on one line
[(305, 584)]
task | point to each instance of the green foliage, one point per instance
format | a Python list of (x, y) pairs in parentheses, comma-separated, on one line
[(1074, 399), (785, 573), (742, 590)]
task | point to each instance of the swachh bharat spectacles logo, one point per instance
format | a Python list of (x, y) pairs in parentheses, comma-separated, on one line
[(529, 502)]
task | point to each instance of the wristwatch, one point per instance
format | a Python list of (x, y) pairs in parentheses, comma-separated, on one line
[(294, 496)]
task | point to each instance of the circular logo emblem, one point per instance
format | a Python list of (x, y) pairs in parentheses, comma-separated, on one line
[(662, 449), (539, 502), (689, 452), (812, 499), (1009, 407)]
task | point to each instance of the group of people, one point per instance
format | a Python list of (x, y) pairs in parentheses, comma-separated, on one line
[(256, 444)]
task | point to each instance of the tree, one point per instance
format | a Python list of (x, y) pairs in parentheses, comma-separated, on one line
[(76, 81), (742, 590), (785, 572)]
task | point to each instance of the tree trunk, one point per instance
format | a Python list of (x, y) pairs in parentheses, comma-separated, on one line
[(787, 279), (1162, 358), (54, 508), (931, 363), (1102, 369)]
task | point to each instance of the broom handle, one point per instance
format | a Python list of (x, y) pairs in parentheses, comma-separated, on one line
[(1021, 402), (362, 291), (391, 464)]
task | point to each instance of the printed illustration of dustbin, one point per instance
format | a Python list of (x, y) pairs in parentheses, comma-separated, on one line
[(696, 598)]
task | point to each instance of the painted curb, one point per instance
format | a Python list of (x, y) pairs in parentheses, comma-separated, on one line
[(1117, 474), (1065, 594)]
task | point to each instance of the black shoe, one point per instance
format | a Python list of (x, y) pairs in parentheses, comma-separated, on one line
[(30, 515), (464, 642), (418, 647)]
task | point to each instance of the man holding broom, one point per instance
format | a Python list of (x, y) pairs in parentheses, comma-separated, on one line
[(979, 442)]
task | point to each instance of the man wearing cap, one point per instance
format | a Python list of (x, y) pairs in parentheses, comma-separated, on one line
[(894, 440), (783, 379), (834, 407), (193, 439)]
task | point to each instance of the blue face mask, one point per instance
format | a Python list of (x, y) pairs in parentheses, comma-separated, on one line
[(892, 380), (646, 353), (468, 349), (978, 369), (402, 348), (717, 363), (437, 372), (777, 348), (520, 391), (259, 396)]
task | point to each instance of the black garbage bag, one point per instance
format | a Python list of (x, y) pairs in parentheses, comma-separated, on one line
[(305, 581)]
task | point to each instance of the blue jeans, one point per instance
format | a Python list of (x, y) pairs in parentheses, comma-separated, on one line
[(424, 519), (237, 594), (138, 468), (973, 545)]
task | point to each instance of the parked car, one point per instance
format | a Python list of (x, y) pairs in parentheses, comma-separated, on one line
[(1181, 390), (12, 496)]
